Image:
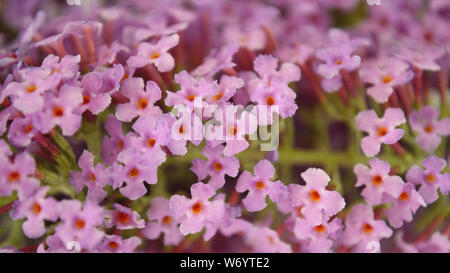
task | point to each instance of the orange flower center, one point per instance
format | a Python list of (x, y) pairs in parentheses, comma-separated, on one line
[(92, 177), (36, 208), (430, 178), (260, 185), (387, 79), (299, 212), (377, 180), (14, 176), (133, 173), (166, 220), (181, 129), (142, 103), (123, 217), (151, 142), (429, 129), (58, 111), (86, 99), (320, 228), (339, 62), (367, 228), (270, 101), (113, 245), (190, 97), (31, 88), (382, 131), (28, 129), (155, 55), (232, 131), (218, 96), (197, 208), (79, 223), (217, 166), (404, 196), (120, 144), (315, 196)]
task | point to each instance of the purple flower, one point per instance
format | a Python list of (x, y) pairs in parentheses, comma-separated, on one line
[(259, 186), (136, 169), (227, 88), (377, 181), (216, 166), (116, 142), (380, 130), (141, 101), (217, 61), (156, 54), (430, 178), (191, 89), (197, 212), (21, 131), (319, 237), (265, 240), (438, 243), (115, 244), (423, 57), (361, 228), (312, 200), (429, 128), (65, 69), (403, 207), (253, 39), (91, 176), (124, 218), (27, 94), (36, 209), (59, 110), (79, 224), (93, 99), (384, 75), (161, 220), (18, 175)]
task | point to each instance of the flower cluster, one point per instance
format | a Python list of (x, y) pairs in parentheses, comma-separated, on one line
[(136, 126)]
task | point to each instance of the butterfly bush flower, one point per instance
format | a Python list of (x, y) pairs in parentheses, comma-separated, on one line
[(161, 220), (430, 178), (384, 75), (218, 60), (266, 240), (312, 200), (93, 99), (36, 209), (216, 166), (141, 101), (79, 223), (198, 212), (380, 130), (124, 218), (115, 141), (156, 54), (377, 181), (319, 237), (60, 110), (259, 186), (91, 176), (17, 175), (116, 244), (21, 131), (404, 206), (361, 228), (438, 243), (429, 129), (61, 69)]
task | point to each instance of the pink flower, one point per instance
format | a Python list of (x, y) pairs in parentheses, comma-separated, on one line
[(36, 209), (216, 166), (91, 176), (319, 238), (124, 218), (156, 54), (259, 186), (161, 220), (115, 244), (385, 74), (429, 128), (198, 212), (403, 207), (114, 141), (265, 240), (430, 178), (377, 181), (361, 228), (141, 102), (312, 200), (380, 130)]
